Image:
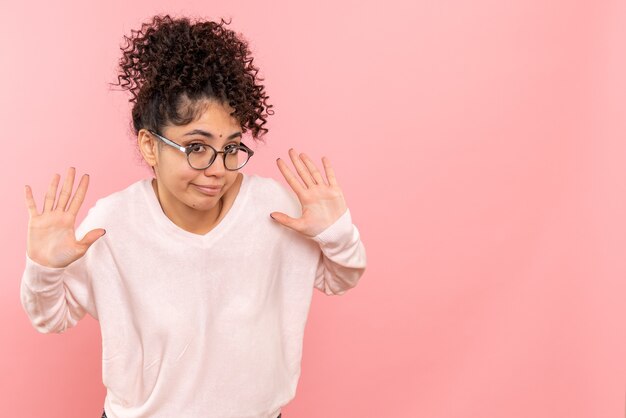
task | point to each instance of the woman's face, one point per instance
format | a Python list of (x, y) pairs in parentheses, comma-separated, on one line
[(179, 184)]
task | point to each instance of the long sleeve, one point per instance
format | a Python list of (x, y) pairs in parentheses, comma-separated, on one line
[(187, 311), (47, 299), (343, 260)]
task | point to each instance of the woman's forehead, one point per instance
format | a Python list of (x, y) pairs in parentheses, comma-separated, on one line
[(211, 118)]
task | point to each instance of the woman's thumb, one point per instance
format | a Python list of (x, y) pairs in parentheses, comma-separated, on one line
[(91, 237), (283, 219)]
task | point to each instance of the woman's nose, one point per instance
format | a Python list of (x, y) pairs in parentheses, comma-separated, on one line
[(217, 167)]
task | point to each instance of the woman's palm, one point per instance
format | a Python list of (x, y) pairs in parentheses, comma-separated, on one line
[(51, 239)]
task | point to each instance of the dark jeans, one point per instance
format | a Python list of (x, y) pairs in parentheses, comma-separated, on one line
[(104, 415)]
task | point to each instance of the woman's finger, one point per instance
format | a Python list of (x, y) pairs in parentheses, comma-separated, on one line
[(66, 191), (79, 195), (317, 176), (30, 202), (330, 173), (301, 168), (48, 203), (290, 177)]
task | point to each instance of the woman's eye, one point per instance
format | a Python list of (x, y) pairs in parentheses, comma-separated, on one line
[(231, 149), (197, 147)]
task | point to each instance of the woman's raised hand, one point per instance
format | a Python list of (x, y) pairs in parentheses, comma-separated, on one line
[(51, 239), (322, 201)]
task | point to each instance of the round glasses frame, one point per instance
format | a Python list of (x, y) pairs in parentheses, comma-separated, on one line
[(189, 148)]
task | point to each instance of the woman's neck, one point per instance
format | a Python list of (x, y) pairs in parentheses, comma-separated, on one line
[(189, 219)]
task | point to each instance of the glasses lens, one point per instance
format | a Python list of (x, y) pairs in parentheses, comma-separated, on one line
[(200, 156), (236, 157)]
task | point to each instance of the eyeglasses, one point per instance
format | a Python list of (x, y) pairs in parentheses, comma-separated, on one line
[(200, 156)]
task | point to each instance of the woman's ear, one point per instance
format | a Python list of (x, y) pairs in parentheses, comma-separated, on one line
[(148, 147)]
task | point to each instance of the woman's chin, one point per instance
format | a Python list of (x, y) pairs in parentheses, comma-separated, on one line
[(205, 204)]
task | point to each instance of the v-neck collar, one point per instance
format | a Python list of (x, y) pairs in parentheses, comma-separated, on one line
[(187, 237)]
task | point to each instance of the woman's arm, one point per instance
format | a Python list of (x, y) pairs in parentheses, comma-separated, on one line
[(51, 305), (343, 259), (326, 219), (55, 257)]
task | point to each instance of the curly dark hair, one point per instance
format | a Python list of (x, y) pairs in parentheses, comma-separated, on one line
[(173, 67)]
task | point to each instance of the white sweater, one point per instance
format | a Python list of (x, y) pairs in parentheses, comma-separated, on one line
[(196, 325)]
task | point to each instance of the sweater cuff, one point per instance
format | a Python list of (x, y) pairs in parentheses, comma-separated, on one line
[(39, 277), (338, 232)]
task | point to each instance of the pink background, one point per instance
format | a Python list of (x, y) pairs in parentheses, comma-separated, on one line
[(481, 148)]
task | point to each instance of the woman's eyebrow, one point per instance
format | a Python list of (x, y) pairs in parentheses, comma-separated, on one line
[(210, 135)]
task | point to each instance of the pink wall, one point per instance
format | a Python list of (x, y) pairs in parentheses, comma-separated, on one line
[(481, 148)]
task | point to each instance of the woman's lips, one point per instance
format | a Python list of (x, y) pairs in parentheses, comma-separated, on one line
[(209, 190)]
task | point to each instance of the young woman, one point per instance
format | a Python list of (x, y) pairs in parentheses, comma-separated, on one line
[(203, 280)]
